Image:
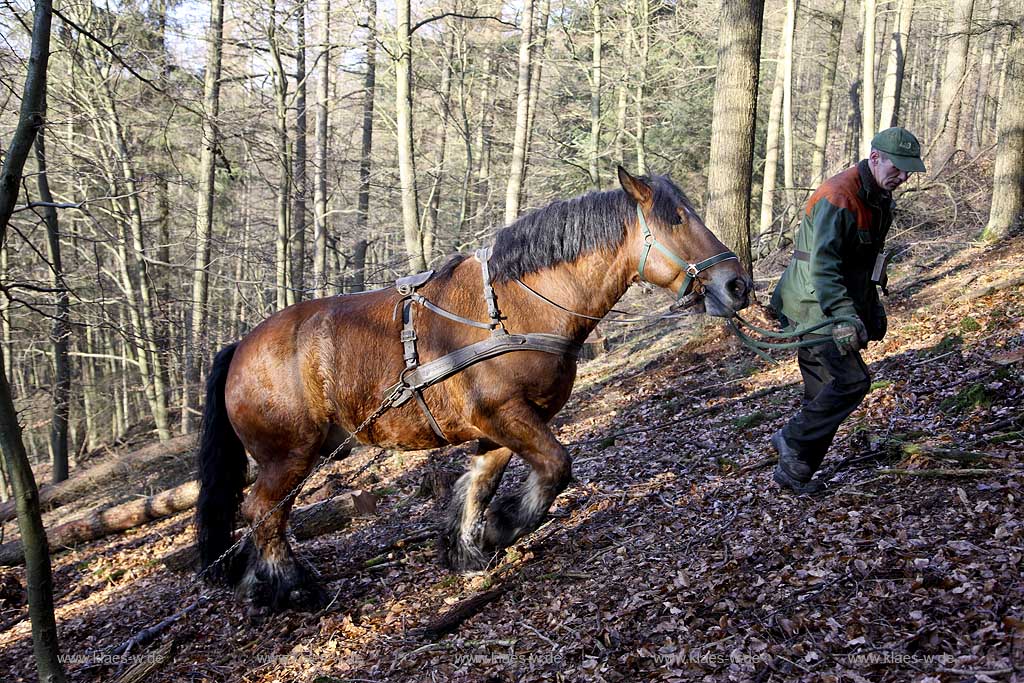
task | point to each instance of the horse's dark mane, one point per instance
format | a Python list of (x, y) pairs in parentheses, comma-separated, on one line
[(566, 230), (449, 266)]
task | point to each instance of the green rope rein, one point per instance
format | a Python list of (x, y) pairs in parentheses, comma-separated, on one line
[(759, 347)]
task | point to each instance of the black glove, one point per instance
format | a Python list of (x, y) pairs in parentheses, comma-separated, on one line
[(849, 336), (880, 323)]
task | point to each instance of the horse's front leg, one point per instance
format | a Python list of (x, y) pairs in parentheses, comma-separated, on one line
[(513, 515), (465, 543)]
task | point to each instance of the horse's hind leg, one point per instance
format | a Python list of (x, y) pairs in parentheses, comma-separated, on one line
[(275, 577), (465, 546)]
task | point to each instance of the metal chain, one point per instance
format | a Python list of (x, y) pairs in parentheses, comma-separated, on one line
[(384, 407)]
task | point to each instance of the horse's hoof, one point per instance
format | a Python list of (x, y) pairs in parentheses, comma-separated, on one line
[(277, 588)]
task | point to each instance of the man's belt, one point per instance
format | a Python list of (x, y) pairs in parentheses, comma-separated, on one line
[(801, 256)]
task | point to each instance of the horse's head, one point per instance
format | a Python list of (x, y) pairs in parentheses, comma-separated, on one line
[(677, 251)]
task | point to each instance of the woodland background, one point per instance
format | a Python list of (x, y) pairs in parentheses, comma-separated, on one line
[(189, 177), (206, 178)]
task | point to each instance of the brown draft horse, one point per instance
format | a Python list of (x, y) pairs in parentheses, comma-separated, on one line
[(296, 385)]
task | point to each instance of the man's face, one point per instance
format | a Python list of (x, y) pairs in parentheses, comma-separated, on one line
[(886, 174)]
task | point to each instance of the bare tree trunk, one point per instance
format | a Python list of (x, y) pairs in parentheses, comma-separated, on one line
[(281, 279), (771, 146), (320, 221), (61, 322), (363, 208), (540, 44), (197, 342), (297, 291), (787, 117), (482, 189), (733, 121), (5, 320), (1007, 210), (626, 64), (947, 116), (434, 201), (595, 98), (828, 80), (643, 56), (38, 576), (406, 152), (517, 169), (982, 98), (466, 192), (141, 303), (895, 66), (868, 80)]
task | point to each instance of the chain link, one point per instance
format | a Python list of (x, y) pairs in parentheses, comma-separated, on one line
[(383, 408)]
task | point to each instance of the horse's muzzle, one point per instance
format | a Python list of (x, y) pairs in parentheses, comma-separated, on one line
[(724, 300)]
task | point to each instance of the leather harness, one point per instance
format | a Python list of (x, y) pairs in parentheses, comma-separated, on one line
[(416, 377)]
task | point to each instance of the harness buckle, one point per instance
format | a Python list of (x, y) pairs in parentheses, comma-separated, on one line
[(691, 270), (408, 336), (648, 238)]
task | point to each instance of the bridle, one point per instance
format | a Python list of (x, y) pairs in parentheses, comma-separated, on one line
[(692, 270)]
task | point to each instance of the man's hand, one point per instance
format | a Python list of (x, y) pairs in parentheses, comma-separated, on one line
[(849, 336)]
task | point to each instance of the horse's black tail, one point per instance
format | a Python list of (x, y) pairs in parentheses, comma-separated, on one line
[(222, 469)]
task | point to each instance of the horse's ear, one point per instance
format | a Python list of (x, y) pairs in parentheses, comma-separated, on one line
[(636, 188)]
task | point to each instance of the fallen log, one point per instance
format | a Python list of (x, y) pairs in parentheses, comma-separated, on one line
[(113, 520), (306, 522), (55, 495)]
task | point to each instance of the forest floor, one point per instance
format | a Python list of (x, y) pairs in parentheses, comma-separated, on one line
[(672, 556)]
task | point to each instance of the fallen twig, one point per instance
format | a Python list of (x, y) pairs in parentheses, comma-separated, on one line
[(452, 618)]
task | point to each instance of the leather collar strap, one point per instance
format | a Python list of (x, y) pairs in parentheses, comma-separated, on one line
[(483, 255), (692, 269)]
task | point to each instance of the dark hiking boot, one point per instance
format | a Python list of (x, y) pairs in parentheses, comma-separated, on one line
[(783, 479), (792, 472), (789, 460)]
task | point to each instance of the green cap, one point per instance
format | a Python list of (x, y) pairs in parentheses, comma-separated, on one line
[(901, 146)]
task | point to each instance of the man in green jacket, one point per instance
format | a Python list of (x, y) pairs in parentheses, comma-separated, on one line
[(833, 274)]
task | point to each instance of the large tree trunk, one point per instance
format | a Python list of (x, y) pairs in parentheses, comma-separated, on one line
[(320, 221), (954, 73), (828, 80), (1007, 210), (732, 127), (196, 343), (517, 169), (595, 98), (297, 254), (406, 151), (363, 205), (895, 66), (38, 576), (868, 80)]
